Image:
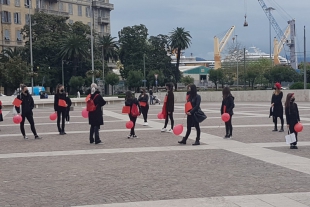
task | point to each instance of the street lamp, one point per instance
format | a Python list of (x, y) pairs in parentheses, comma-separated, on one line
[(62, 73), (156, 82), (30, 42), (92, 41), (269, 9), (237, 48), (144, 81)]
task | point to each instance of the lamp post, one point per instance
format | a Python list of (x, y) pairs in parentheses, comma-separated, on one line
[(269, 9), (92, 42), (30, 44), (156, 82), (244, 68), (62, 72), (237, 48), (144, 81), (305, 60)]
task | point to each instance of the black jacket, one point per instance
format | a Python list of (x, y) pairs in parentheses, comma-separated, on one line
[(130, 102), (151, 93), (170, 101), (292, 114), (145, 99), (56, 99), (195, 103), (278, 107), (27, 103), (229, 103), (95, 118), (69, 102)]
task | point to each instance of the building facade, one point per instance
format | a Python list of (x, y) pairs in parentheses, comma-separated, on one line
[(15, 14)]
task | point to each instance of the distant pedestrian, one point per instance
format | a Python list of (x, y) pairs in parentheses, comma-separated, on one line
[(276, 103), (60, 107), (144, 103), (27, 106), (69, 103), (131, 101), (168, 108), (78, 94), (95, 118), (292, 116), (195, 101), (1, 116), (151, 96), (227, 107)]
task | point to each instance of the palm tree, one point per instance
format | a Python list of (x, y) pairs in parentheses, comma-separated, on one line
[(74, 47), (9, 53), (179, 40), (109, 49)]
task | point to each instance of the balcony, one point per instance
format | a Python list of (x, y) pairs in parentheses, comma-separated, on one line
[(52, 12), (104, 20), (100, 4)]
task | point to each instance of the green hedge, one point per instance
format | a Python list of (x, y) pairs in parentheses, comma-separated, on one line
[(299, 85)]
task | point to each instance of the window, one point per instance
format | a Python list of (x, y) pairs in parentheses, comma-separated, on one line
[(102, 29), (70, 21), (61, 6), (87, 11), (7, 34), (5, 2), (18, 35), (28, 3), (17, 18), (38, 4), (6, 17), (70, 8), (26, 18), (17, 2), (79, 10)]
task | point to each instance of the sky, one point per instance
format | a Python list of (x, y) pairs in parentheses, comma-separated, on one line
[(205, 19)]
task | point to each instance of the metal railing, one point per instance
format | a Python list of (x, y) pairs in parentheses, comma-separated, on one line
[(104, 20), (53, 12), (103, 4)]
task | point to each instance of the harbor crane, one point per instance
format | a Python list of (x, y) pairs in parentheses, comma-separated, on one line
[(278, 46), (218, 47), (282, 36)]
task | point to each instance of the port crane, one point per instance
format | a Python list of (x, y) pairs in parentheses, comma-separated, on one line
[(282, 36), (278, 46), (219, 46)]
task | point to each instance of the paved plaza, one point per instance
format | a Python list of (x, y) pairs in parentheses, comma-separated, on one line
[(255, 168)]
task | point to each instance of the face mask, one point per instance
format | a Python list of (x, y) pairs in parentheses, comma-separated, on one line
[(293, 99), (26, 91), (62, 90)]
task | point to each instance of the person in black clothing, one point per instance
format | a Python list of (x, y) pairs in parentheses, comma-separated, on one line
[(69, 103), (60, 107), (228, 105), (169, 99), (151, 97), (292, 116), (26, 111), (195, 100), (1, 116), (276, 103), (144, 103), (129, 101), (95, 118)]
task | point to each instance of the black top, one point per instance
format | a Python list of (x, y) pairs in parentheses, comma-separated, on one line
[(195, 103), (292, 114), (27, 103), (151, 92), (130, 102), (95, 118), (145, 98), (69, 102), (277, 107), (56, 99), (170, 101), (229, 103)]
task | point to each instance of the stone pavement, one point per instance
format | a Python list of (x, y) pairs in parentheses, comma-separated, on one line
[(255, 168)]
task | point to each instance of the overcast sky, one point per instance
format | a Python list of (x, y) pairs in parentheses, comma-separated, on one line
[(206, 18)]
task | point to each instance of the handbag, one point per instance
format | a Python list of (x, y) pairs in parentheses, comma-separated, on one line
[(200, 116), (290, 138)]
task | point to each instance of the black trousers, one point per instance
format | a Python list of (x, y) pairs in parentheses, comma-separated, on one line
[(228, 127), (190, 123), (68, 114), (275, 121), (133, 119), (292, 130), (169, 116), (144, 111), (62, 115), (94, 130), (29, 117)]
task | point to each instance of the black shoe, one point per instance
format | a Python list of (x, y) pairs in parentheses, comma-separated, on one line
[(226, 136), (292, 147), (275, 130), (281, 130), (98, 142), (196, 143), (63, 133), (295, 147), (37, 137), (91, 141), (183, 141)]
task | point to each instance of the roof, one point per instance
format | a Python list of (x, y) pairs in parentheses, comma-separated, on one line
[(202, 70)]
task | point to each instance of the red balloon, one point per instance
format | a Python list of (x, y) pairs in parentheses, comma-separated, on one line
[(85, 113), (17, 119), (178, 129), (225, 117), (53, 116), (298, 127), (129, 124), (160, 115)]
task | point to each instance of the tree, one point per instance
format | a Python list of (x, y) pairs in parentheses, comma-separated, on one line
[(134, 79), (112, 79), (281, 73), (76, 82), (187, 80), (133, 42), (216, 76), (151, 78), (74, 48), (9, 53), (179, 40)]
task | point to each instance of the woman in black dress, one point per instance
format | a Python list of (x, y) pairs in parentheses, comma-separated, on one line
[(276, 103), (292, 116), (60, 107), (228, 104)]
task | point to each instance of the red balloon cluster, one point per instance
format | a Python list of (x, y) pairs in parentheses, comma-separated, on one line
[(17, 119), (85, 113), (129, 124), (178, 129), (225, 117), (160, 115), (298, 127), (53, 116)]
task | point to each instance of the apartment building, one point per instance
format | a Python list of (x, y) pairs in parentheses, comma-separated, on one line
[(15, 14)]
